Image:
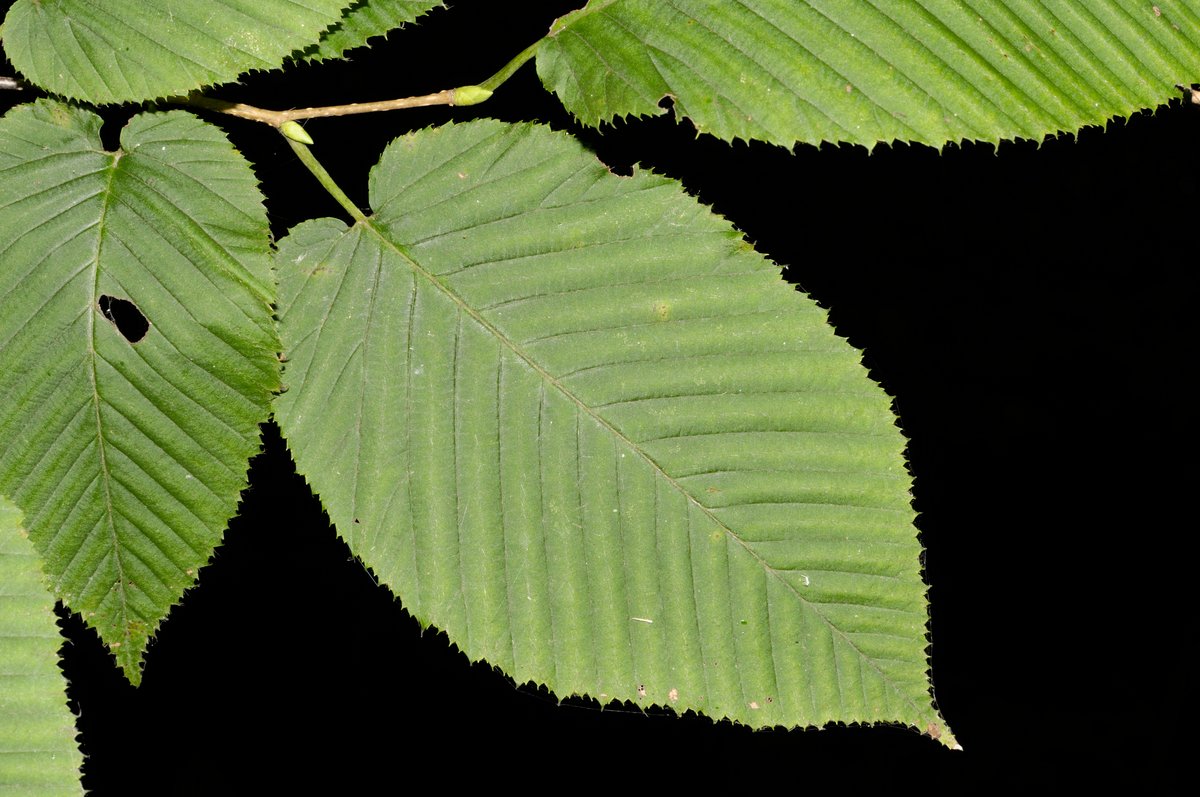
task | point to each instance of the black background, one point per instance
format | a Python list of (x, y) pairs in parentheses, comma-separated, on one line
[(1028, 309)]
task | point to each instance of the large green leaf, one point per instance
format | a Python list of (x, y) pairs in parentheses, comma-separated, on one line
[(930, 71), (575, 421), (107, 51), (128, 457), (364, 20), (38, 754)]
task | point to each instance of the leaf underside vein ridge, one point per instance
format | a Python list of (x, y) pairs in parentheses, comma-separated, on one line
[(38, 753), (925, 71), (136, 50)]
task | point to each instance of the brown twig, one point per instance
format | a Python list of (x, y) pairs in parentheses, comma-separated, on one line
[(278, 118)]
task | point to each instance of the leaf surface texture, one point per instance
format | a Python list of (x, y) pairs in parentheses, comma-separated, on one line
[(38, 754), (575, 421), (930, 71), (107, 51), (127, 458), (364, 20)]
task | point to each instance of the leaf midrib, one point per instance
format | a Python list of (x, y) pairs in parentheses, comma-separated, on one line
[(93, 375), (550, 379)]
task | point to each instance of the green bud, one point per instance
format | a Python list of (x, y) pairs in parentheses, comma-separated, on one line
[(470, 95), (295, 132)]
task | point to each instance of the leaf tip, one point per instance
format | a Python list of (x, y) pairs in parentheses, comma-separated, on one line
[(940, 733)]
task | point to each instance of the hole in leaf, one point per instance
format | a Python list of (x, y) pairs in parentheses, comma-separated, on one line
[(125, 316), (110, 133)]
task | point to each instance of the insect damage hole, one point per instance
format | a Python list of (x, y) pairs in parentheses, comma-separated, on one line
[(125, 316)]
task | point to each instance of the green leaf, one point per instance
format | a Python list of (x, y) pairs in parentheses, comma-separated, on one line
[(366, 19), (575, 421), (133, 50), (930, 71), (128, 457), (38, 754)]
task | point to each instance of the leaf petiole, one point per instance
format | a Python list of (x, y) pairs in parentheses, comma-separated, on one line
[(509, 69), (323, 177)]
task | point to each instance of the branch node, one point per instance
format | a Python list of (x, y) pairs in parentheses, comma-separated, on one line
[(295, 132), (470, 95)]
